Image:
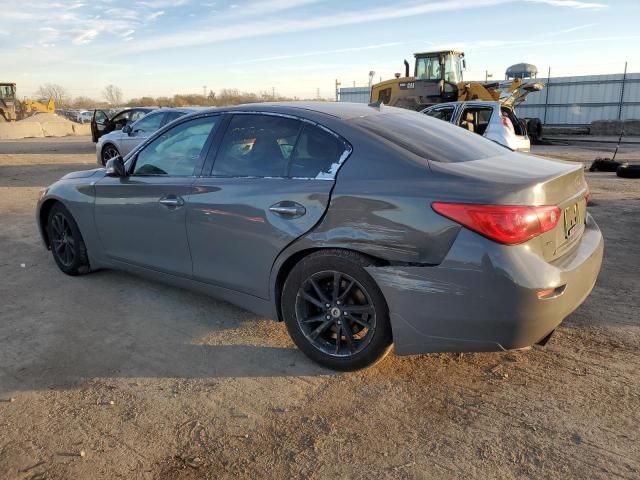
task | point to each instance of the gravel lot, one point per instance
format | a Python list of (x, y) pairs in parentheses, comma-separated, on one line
[(109, 376)]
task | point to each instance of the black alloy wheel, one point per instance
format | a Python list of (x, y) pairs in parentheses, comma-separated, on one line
[(335, 311), (62, 242), (67, 245)]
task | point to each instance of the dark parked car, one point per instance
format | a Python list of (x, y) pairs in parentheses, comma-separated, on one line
[(357, 226), (102, 122)]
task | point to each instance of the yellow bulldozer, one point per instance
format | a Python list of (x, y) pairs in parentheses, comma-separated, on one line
[(437, 78), (11, 109)]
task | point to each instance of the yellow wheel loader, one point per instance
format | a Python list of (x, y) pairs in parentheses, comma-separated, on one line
[(11, 109), (437, 78)]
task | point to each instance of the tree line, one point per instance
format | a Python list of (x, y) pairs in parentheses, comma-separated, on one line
[(112, 96)]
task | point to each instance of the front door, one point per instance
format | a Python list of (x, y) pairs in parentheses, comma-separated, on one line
[(99, 125), (141, 218), (270, 183)]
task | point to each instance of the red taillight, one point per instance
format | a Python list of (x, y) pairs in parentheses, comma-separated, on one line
[(508, 224), (507, 123)]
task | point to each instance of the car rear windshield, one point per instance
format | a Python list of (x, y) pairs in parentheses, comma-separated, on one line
[(430, 138)]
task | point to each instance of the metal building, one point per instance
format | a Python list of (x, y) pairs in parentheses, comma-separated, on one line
[(354, 94), (568, 101), (565, 101)]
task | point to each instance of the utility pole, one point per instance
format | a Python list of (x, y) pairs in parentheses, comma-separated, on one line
[(204, 90), (624, 80), (487, 75), (337, 90), (273, 93), (318, 93), (546, 98)]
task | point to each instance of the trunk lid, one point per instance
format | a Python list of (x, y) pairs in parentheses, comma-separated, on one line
[(518, 179)]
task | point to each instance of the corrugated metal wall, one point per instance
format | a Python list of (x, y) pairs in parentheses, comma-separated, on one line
[(354, 94), (565, 100), (581, 100)]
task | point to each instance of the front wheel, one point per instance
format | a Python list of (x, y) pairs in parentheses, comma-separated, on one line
[(108, 152), (335, 312), (67, 245)]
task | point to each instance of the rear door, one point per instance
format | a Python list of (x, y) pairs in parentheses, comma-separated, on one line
[(270, 183), (475, 118)]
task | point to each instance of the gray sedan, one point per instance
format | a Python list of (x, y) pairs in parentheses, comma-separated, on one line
[(121, 142), (356, 226)]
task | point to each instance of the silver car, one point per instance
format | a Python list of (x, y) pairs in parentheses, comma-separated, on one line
[(489, 119), (121, 142)]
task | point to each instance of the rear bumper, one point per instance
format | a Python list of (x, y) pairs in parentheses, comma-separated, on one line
[(483, 297)]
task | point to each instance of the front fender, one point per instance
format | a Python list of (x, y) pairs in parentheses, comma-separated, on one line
[(77, 194)]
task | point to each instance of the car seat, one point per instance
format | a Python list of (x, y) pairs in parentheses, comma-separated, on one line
[(468, 122)]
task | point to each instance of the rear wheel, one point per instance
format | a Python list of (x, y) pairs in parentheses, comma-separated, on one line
[(109, 151), (67, 245), (335, 312)]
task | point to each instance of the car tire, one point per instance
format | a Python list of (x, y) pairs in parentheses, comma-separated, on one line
[(67, 246), (605, 165), (351, 324), (628, 171), (108, 152), (534, 129)]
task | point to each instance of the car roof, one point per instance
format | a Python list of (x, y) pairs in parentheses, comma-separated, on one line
[(464, 102), (340, 110)]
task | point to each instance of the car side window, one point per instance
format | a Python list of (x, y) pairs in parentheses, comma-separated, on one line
[(256, 145), (177, 151), (316, 152), (444, 113), (136, 115), (121, 119), (476, 119), (171, 116), (149, 124)]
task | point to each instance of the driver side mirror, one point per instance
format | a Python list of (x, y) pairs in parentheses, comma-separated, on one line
[(115, 167), (127, 129)]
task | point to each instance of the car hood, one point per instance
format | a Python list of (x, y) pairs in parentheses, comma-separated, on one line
[(83, 174), (114, 135)]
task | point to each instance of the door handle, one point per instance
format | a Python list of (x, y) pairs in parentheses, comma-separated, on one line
[(171, 201), (288, 209)]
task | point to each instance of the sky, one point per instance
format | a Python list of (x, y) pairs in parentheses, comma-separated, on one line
[(299, 47)]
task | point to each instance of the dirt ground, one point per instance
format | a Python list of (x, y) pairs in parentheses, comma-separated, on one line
[(110, 376)]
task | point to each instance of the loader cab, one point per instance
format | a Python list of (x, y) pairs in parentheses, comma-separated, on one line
[(437, 77), (444, 66), (8, 91), (8, 102)]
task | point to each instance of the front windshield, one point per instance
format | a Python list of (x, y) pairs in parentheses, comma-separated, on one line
[(7, 91), (428, 68)]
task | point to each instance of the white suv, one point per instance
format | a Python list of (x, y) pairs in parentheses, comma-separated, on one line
[(489, 119)]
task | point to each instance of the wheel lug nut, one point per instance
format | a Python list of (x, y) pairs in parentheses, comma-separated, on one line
[(328, 317), (327, 305)]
